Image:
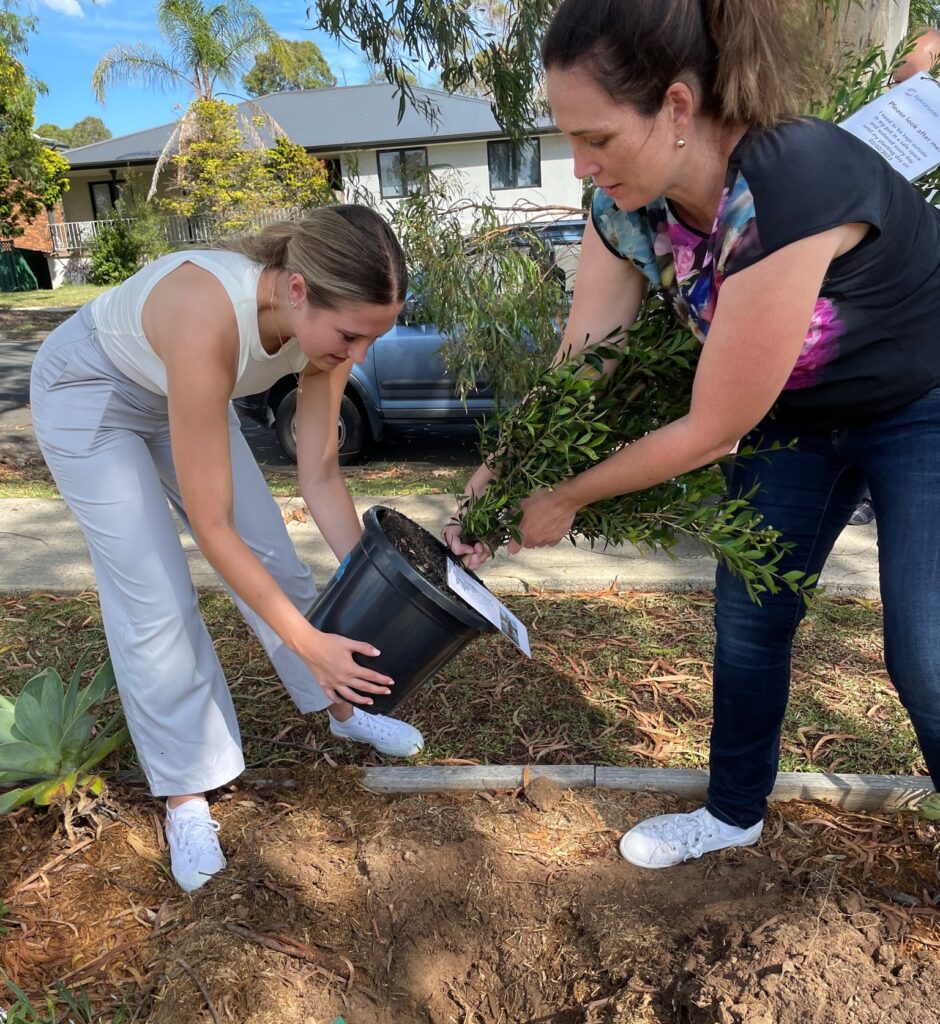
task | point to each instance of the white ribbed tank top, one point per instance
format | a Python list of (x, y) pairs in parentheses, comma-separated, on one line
[(117, 315)]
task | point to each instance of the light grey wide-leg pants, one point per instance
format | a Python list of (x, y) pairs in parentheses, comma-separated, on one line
[(106, 440)]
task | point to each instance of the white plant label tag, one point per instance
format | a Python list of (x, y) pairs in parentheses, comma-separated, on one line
[(903, 125), (488, 606)]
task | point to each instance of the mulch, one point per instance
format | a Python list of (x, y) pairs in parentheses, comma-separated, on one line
[(484, 908), (30, 321)]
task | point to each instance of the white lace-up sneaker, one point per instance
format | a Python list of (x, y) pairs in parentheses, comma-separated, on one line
[(670, 839), (387, 735), (195, 854)]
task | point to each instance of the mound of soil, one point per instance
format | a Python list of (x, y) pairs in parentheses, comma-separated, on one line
[(505, 909)]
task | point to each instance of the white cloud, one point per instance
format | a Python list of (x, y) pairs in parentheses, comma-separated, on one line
[(70, 7)]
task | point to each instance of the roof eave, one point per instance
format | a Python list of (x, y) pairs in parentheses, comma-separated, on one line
[(418, 140)]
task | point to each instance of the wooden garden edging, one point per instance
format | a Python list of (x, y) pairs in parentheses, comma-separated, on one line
[(850, 792)]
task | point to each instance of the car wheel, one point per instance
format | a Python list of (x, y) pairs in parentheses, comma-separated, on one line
[(284, 425), (351, 426), (352, 432)]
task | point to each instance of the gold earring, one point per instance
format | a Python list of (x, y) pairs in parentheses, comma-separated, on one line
[(680, 143)]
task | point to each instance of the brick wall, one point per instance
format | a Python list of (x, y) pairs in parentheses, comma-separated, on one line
[(37, 235)]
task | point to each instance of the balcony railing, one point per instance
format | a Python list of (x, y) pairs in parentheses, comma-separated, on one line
[(77, 236)]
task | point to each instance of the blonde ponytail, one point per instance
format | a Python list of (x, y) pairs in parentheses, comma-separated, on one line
[(347, 254)]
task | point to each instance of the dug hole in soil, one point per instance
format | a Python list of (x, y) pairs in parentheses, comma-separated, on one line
[(511, 908)]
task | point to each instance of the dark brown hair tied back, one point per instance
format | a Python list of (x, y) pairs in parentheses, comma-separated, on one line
[(744, 56)]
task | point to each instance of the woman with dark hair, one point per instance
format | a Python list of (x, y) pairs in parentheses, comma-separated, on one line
[(131, 401), (809, 270)]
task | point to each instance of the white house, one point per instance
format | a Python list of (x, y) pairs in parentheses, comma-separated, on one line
[(356, 130)]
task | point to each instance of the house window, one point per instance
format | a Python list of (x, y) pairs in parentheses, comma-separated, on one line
[(401, 171), (334, 172), (514, 164), (104, 195)]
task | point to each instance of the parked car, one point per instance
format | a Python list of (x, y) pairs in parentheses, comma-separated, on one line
[(403, 379)]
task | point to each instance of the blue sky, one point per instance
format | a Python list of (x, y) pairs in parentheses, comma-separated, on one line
[(73, 35)]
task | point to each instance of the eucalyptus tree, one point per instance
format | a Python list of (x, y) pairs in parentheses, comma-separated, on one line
[(491, 48), (294, 64), (493, 52)]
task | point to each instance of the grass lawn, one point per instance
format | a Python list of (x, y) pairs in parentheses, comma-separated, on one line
[(615, 679), (29, 478), (67, 295)]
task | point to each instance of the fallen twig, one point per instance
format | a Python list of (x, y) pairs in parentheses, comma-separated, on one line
[(339, 966), (55, 862), (200, 984)]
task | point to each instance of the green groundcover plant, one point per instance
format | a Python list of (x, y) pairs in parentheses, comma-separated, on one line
[(577, 415), (24, 1010), (49, 740)]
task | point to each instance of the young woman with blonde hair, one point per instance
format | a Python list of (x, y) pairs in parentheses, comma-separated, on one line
[(131, 400)]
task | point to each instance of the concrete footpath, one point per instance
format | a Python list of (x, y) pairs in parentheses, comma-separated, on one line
[(42, 548)]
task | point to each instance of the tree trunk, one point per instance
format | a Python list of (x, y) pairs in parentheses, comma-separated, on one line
[(871, 22)]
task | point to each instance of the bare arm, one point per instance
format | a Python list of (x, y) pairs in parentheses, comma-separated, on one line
[(321, 482), (195, 335), (759, 328), (607, 296)]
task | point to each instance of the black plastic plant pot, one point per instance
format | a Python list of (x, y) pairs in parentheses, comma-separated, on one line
[(379, 596)]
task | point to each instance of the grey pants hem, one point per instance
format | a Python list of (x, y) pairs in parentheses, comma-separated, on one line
[(219, 776), (314, 705)]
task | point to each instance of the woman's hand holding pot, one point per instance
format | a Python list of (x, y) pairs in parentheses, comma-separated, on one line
[(330, 658)]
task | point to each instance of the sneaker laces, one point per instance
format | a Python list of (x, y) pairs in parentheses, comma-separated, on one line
[(379, 726), (196, 835), (690, 833)]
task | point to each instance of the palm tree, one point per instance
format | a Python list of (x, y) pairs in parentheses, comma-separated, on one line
[(210, 44)]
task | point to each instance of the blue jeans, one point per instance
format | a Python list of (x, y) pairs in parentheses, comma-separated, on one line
[(808, 493)]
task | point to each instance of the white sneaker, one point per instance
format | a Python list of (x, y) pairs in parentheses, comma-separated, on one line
[(195, 854), (670, 839), (387, 735)]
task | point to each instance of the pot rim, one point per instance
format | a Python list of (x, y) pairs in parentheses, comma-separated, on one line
[(375, 542)]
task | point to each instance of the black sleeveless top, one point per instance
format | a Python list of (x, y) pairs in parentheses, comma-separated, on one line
[(874, 340)]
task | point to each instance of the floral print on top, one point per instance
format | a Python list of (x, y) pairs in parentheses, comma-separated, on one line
[(688, 272), (872, 343)]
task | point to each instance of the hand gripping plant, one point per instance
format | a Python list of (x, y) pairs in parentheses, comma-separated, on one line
[(576, 415), (48, 737)]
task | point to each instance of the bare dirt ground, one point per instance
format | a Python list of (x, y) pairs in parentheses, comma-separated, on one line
[(511, 908)]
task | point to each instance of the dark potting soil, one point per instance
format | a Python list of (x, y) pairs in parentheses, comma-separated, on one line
[(421, 549)]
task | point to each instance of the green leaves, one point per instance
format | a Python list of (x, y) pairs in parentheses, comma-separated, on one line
[(929, 807), (32, 177), (492, 292), (39, 712), (576, 415), (48, 736), (501, 63), (208, 43)]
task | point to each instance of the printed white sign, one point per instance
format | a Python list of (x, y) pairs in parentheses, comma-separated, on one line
[(488, 606), (903, 125)]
